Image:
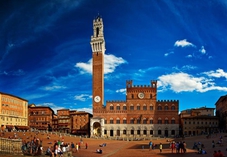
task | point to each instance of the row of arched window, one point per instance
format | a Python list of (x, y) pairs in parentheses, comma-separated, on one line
[(143, 107), (139, 121)]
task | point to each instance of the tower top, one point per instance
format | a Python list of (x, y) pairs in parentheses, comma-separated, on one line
[(97, 39), (98, 18)]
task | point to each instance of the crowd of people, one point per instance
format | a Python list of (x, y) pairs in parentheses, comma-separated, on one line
[(33, 145)]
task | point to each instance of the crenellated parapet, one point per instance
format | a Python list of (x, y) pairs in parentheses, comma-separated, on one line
[(163, 101), (129, 84), (115, 101)]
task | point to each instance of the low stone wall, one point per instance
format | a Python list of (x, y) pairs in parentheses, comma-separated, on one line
[(10, 146)]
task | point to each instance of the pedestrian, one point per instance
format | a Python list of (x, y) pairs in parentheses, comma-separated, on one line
[(150, 145), (72, 147), (213, 144), (86, 145), (220, 154), (160, 147), (77, 147), (215, 154), (173, 146), (184, 146)]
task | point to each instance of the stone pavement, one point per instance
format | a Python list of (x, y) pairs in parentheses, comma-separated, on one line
[(115, 148)]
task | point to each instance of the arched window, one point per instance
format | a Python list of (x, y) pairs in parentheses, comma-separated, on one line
[(118, 121), (111, 120), (166, 121), (124, 107), (173, 107), (144, 120), (118, 107), (173, 121), (151, 121), (151, 107), (159, 120), (138, 107), (138, 120), (166, 107), (159, 107), (111, 107), (131, 107), (132, 121), (97, 31), (144, 107), (124, 121)]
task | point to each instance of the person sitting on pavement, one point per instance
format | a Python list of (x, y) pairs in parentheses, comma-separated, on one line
[(99, 151)]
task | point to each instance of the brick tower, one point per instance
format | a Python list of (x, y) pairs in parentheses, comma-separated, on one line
[(98, 50)]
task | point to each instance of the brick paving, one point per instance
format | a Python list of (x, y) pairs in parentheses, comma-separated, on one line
[(116, 148)]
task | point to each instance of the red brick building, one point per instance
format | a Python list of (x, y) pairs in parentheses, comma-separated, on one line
[(64, 123), (198, 121), (221, 112), (141, 114), (55, 123), (40, 117), (80, 122)]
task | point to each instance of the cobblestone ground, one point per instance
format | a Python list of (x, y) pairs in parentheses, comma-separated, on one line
[(116, 148)]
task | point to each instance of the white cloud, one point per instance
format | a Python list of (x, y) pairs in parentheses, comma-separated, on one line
[(18, 72), (189, 56), (185, 68), (167, 54), (110, 64), (89, 110), (82, 97), (218, 73), (85, 67), (51, 105), (183, 43), (50, 88), (183, 82), (36, 96), (202, 50), (123, 91), (55, 108)]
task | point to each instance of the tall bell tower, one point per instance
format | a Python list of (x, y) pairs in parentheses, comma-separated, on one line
[(98, 50)]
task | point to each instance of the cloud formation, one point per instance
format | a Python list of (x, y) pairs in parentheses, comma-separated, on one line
[(183, 82), (110, 64), (82, 97), (183, 43), (217, 74), (167, 54), (123, 91), (202, 50)]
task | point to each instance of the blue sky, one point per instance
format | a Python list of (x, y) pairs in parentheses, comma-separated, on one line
[(45, 52)]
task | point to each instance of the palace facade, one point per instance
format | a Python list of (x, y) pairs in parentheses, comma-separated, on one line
[(140, 115), (13, 112), (198, 121), (40, 117)]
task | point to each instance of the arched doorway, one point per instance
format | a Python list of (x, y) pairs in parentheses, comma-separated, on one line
[(97, 129), (118, 132), (166, 133)]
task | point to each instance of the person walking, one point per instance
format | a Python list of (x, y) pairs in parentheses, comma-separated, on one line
[(160, 147), (150, 145), (213, 144), (77, 147), (86, 145), (72, 147)]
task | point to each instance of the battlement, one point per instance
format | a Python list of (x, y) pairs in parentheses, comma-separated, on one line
[(129, 84), (163, 101), (115, 101)]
